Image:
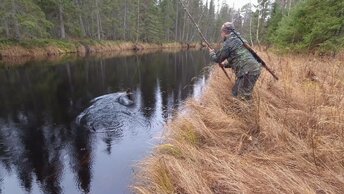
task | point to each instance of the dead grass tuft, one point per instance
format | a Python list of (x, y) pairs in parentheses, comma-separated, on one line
[(290, 140)]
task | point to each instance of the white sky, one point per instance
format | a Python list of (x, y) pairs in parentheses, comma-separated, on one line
[(237, 3)]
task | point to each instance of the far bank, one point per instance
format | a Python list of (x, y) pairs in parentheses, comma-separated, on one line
[(48, 47)]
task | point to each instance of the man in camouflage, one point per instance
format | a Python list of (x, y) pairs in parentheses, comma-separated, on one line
[(234, 55)]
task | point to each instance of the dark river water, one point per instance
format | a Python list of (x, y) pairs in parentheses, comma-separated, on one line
[(55, 137)]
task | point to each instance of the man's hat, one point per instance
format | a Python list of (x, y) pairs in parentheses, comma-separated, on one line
[(227, 27)]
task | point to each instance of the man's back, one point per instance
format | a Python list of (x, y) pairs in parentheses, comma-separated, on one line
[(239, 58)]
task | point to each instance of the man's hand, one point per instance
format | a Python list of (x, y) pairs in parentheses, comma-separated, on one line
[(211, 50), (224, 63)]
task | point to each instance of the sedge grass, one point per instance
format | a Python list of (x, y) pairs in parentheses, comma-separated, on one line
[(290, 140)]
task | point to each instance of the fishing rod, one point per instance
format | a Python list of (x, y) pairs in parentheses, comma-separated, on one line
[(255, 55), (202, 36)]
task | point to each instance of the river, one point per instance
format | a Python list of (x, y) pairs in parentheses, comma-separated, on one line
[(45, 148)]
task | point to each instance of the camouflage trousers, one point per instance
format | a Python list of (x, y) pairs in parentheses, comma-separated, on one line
[(243, 87)]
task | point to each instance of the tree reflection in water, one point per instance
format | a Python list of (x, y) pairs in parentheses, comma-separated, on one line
[(43, 150)]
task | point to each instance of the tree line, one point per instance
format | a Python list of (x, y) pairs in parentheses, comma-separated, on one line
[(288, 24), (131, 20)]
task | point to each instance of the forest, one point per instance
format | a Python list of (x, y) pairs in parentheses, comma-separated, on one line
[(290, 25), (120, 96)]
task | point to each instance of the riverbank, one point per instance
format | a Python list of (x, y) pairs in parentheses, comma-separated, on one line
[(290, 141), (48, 48), (51, 60)]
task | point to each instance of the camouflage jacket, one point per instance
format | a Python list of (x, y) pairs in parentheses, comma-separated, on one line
[(239, 58)]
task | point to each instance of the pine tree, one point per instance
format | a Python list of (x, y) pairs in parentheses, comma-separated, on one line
[(313, 24), (62, 14), (152, 22), (23, 19), (289, 24), (276, 17), (167, 16)]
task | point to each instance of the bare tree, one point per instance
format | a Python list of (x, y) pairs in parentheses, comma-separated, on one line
[(15, 20), (61, 19), (290, 2), (81, 21), (258, 26), (98, 20), (251, 39), (7, 30), (176, 22), (138, 21), (125, 19)]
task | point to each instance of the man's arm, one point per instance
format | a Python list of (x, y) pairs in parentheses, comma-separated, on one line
[(220, 55)]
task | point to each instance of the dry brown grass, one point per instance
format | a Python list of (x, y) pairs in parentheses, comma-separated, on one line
[(18, 55), (290, 141), (10, 53)]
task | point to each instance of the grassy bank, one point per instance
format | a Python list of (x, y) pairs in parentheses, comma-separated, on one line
[(290, 141), (48, 47), (59, 59)]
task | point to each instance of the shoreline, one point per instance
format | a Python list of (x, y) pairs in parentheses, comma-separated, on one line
[(291, 133), (18, 61), (14, 52), (41, 48)]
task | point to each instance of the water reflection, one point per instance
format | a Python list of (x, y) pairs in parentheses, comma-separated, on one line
[(44, 150)]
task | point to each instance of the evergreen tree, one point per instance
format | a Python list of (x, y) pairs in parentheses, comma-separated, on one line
[(276, 17), (23, 19), (289, 24), (167, 16), (61, 14), (313, 24)]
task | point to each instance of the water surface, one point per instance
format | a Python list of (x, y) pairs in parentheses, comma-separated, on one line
[(43, 147)]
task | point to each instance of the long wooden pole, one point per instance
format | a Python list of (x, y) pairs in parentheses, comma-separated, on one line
[(202, 36), (260, 60)]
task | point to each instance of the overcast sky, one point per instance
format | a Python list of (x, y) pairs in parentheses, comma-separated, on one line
[(238, 3)]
